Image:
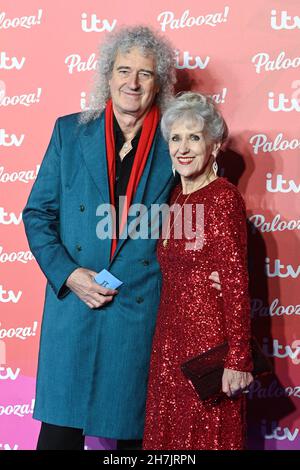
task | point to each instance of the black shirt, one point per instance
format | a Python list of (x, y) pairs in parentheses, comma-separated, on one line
[(123, 167)]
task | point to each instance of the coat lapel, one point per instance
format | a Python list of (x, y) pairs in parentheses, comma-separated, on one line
[(94, 153), (156, 176), (93, 146)]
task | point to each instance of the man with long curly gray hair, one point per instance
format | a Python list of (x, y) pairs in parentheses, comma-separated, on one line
[(96, 341)]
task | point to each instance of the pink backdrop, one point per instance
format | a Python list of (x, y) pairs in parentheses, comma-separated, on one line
[(246, 54)]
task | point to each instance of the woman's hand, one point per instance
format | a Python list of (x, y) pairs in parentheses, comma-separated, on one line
[(234, 381)]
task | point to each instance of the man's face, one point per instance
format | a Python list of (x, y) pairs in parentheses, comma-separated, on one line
[(133, 83)]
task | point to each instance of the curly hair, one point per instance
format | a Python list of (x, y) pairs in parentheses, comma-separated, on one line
[(192, 105), (126, 38)]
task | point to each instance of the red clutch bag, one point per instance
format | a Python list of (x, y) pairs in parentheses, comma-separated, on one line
[(204, 372)]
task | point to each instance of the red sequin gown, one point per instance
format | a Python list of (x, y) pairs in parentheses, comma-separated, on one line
[(193, 318)]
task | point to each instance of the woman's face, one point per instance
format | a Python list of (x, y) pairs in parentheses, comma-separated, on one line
[(188, 148)]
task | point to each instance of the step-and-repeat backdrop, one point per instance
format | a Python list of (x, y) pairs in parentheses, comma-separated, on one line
[(247, 56)]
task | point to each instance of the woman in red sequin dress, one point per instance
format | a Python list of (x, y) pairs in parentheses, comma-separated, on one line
[(193, 317)]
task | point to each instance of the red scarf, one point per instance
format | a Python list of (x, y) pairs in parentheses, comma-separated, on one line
[(145, 142)]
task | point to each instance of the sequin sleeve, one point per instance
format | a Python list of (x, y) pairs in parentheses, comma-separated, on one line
[(231, 251)]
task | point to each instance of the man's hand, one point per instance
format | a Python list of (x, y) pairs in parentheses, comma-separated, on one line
[(216, 281), (234, 381), (81, 282)]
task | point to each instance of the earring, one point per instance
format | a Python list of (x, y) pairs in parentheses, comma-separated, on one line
[(215, 167), (173, 170)]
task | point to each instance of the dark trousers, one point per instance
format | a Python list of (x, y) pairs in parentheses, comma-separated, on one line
[(54, 437)]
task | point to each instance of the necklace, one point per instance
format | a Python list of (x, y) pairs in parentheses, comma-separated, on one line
[(127, 147), (166, 240)]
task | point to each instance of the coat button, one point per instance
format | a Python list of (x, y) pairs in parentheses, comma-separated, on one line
[(78, 247), (139, 300), (81, 207), (145, 262)]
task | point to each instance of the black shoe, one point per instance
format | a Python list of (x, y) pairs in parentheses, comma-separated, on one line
[(133, 444)]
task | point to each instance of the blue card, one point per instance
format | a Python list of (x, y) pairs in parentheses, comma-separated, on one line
[(106, 279)]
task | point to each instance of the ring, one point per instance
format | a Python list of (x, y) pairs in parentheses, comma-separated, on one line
[(245, 391)]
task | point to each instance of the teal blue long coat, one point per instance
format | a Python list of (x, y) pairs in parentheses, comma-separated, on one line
[(93, 364)]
